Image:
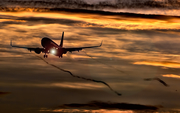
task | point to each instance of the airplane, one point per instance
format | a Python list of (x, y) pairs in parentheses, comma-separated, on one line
[(50, 47)]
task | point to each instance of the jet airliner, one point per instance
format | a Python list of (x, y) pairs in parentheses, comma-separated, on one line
[(50, 47)]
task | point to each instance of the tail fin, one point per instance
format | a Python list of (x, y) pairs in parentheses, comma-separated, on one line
[(61, 43)]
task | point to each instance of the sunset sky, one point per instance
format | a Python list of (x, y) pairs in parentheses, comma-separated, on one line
[(140, 41)]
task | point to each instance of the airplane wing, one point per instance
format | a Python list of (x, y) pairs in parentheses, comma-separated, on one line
[(36, 50), (80, 48)]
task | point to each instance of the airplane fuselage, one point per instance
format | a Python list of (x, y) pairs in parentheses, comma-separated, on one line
[(52, 48)]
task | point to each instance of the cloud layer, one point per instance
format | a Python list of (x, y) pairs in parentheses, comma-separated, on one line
[(3, 93), (128, 38), (105, 106), (99, 4), (108, 105), (170, 7), (95, 19)]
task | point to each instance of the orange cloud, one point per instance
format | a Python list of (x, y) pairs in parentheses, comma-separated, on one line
[(63, 85), (86, 111), (105, 21), (163, 64), (5, 20), (171, 75)]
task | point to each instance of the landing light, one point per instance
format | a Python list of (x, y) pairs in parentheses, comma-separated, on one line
[(53, 51)]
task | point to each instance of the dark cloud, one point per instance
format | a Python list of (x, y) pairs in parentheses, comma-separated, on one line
[(6, 49), (99, 12), (12, 52), (30, 21), (105, 63), (4, 24), (7, 17), (95, 105), (39, 20), (140, 47), (125, 16), (9, 22), (83, 4), (168, 45), (3, 93)]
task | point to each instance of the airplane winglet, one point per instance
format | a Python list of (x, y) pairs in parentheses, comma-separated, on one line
[(101, 43)]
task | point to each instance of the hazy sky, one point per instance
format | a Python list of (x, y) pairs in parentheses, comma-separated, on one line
[(135, 47)]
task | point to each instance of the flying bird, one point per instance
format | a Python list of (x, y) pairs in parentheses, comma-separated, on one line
[(50, 47)]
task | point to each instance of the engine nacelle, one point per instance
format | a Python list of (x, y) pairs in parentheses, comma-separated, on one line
[(37, 50), (64, 51)]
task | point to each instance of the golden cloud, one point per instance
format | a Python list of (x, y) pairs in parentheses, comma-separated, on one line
[(171, 75), (5, 20), (86, 111), (106, 21), (63, 85), (162, 64)]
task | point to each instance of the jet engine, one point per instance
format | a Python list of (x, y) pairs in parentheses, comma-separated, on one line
[(64, 51), (37, 50)]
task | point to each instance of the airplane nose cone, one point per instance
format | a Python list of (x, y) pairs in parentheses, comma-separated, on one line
[(45, 41)]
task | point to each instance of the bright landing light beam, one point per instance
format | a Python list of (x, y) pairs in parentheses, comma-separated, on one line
[(53, 51)]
